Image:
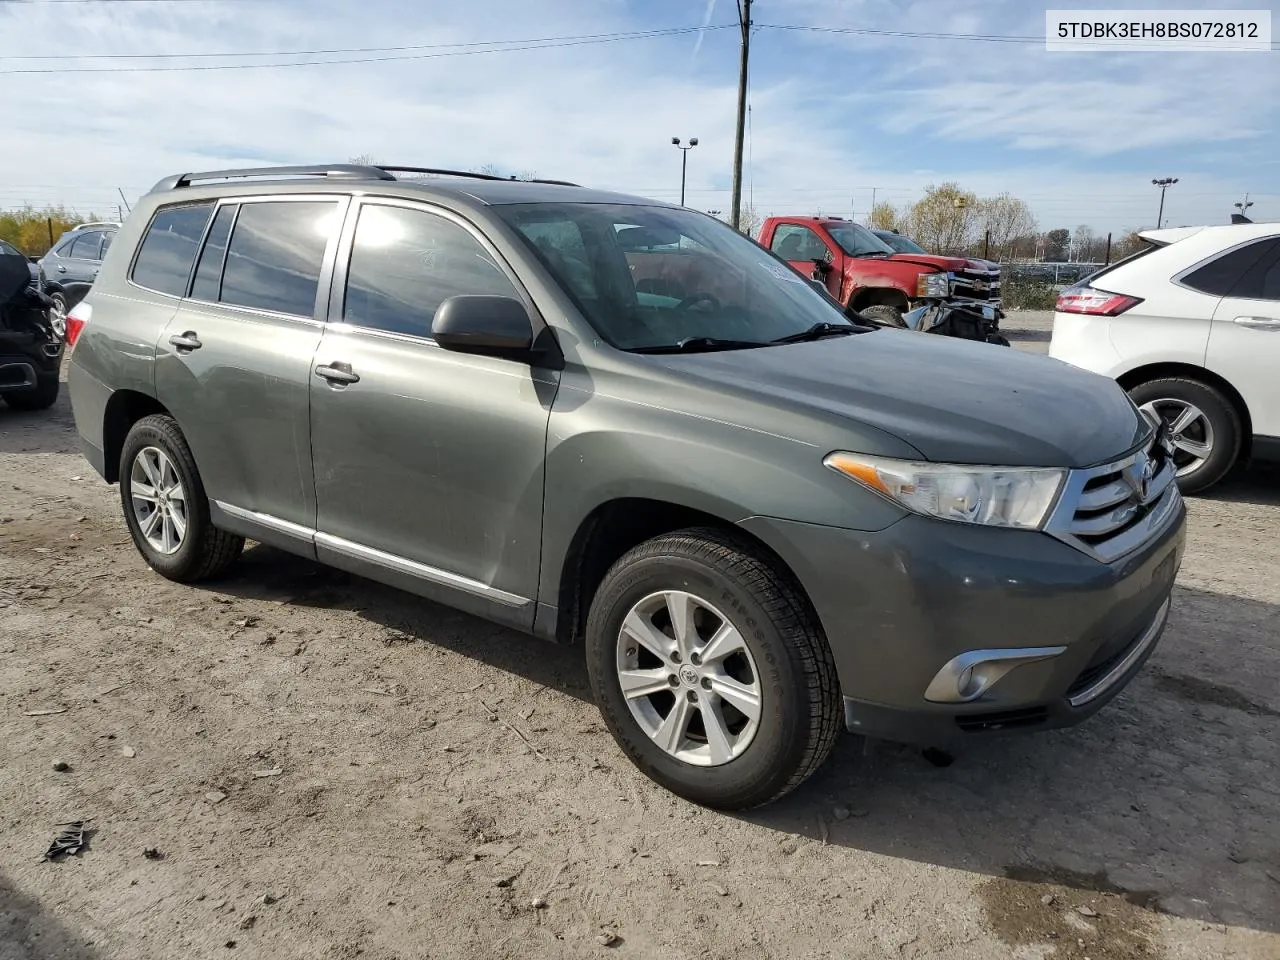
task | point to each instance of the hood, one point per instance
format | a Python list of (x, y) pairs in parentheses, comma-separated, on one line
[(929, 260), (955, 401)]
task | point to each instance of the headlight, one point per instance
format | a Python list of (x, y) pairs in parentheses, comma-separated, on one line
[(995, 496), (933, 285)]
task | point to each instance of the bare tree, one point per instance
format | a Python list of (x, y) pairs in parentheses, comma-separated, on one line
[(363, 160), (883, 216), (749, 220), (944, 220), (1004, 219)]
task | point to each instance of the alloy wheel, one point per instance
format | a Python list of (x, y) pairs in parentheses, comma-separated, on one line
[(1189, 430), (689, 678), (159, 500)]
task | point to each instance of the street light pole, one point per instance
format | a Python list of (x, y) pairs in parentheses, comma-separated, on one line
[(1164, 183), (684, 161)]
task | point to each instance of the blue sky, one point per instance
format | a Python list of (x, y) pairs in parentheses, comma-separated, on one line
[(1079, 136)]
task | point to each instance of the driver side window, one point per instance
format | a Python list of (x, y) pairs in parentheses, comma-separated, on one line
[(794, 242)]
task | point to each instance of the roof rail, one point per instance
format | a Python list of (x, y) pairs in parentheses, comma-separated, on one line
[(96, 223), (336, 171), (468, 174)]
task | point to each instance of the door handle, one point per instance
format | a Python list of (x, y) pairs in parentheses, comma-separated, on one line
[(186, 342), (1259, 323), (337, 373), (62, 268)]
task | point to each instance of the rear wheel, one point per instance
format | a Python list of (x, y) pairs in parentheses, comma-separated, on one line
[(1203, 424), (710, 670), (165, 505), (58, 314), (883, 315), (44, 396)]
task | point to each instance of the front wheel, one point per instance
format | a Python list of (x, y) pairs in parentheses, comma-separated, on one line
[(58, 314), (711, 671), (165, 505), (1203, 425), (883, 315)]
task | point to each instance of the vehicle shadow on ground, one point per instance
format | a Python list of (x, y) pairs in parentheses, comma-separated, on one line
[(29, 933), (38, 431), (265, 573), (1169, 796), (1258, 484)]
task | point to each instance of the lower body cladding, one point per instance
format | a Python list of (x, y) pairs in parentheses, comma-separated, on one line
[(943, 630)]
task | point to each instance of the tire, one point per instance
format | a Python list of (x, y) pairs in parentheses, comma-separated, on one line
[(44, 396), (204, 551), (786, 655), (883, 315), (1218, 426), (58, 314)]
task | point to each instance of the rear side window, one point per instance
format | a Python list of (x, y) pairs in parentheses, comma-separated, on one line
[(208, 281), (275, 254), (87, 247), (794, 242), (1220, 276), (1261, 281), (405, 263), (169, 248)]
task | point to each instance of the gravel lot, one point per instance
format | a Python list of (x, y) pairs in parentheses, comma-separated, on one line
[(325, 768)]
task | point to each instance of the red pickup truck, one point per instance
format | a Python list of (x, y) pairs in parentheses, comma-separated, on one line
[(864, 273)]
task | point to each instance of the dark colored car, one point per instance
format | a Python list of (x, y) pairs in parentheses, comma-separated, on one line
[(30, 342), (74, 261), (624, 426)]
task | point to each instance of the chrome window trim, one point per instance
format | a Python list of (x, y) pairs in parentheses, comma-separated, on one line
[(381, 558)]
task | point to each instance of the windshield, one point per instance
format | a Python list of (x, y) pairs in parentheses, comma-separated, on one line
[(900, 243), (650, 278), (856, 240)]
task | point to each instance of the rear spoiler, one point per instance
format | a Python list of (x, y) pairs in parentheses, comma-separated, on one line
[(1162, 238)]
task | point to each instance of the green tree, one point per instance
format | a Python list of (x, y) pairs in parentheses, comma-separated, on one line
[(883, 216), (945, 220), (33, 231)]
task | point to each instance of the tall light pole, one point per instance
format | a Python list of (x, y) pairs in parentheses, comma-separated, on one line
[(1164, 183), (684, 160), (744, 24)]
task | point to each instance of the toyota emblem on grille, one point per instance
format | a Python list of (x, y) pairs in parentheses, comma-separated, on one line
[(1140, 476)]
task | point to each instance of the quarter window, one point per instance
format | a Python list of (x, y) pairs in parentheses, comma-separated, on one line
[(1262, 280), (405, 263), (169, 248), (275, 254)]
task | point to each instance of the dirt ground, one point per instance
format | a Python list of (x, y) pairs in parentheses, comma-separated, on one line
[(294, 762)]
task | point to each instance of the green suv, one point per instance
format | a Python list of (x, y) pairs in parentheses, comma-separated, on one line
[(620, 424)]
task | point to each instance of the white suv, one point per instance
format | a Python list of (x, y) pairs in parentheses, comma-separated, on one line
[(1190, 327)]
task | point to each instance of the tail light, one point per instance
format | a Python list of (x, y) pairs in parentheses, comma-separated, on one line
[(1096, 303), (76, 319)]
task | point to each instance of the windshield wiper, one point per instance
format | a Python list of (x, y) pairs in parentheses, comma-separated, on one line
[(819, 330), (700, 345)]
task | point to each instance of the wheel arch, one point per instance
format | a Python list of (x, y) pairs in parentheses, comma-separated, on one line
[(124, 408), (616, 526), (879, 296), (1189, 371)]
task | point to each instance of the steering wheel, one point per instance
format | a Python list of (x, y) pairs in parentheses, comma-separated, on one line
[(688, 303)]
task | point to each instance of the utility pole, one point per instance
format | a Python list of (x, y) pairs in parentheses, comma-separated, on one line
[(744, 23), (873, 206), (1164, 183), (122, 198)]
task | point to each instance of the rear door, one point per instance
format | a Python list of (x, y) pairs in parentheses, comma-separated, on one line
[(1244, 339), (234, 363), (78, 264)]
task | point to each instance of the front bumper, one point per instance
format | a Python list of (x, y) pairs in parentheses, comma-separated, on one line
[(899, 604)]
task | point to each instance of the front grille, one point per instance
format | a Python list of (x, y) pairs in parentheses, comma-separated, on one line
[(1004, 720), (1111, 510), (977, 284)]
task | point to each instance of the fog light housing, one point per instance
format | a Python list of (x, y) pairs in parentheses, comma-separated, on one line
[(967, 677)]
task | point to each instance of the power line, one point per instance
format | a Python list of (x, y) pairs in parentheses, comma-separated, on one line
[(555, 42), (501, 44)]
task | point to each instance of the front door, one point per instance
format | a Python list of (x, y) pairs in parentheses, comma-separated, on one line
[(428, 463), (234, 363), (808, 253), (1244, 342)]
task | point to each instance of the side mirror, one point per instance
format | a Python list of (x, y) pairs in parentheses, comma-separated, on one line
[(492, 326)]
